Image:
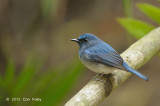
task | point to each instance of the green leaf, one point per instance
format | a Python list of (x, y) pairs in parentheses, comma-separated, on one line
[(1, 90), (1, 81), (9, 75), (40, 84), (6, 83), (135, 27), (151, 11), (23, 79)]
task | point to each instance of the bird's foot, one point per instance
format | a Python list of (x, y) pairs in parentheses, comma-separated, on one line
[(99, 77)]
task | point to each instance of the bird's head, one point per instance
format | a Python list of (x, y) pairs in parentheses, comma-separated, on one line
[(86, 40)]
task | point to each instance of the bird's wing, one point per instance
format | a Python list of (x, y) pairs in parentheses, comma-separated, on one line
[(111, 59)]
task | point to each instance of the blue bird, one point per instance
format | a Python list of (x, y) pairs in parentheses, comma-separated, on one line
[(99, 56)]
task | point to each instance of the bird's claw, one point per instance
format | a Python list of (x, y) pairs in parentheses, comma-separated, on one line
[(99, 77)]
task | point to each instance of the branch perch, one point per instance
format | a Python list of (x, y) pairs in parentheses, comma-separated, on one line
[(136, 56)]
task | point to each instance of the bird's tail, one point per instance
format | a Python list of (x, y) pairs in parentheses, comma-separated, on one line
[(125, 65)]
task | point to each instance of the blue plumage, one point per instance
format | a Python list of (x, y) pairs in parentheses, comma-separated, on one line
[(98, 56), (134, 71)]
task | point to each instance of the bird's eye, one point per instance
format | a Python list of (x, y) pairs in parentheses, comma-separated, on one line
[(85, 40)]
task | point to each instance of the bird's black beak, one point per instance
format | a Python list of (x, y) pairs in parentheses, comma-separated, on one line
[(75, 40)]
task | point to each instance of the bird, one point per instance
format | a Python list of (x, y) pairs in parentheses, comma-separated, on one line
[(100, 57)]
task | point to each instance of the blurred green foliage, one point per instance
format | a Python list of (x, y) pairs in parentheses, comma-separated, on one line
[(151, 11), (138, 28), (30, 21), (135, 27), (51, 85), (127, 6), (49, 8)]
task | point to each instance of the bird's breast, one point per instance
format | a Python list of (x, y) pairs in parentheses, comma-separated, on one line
[(97, 67)]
